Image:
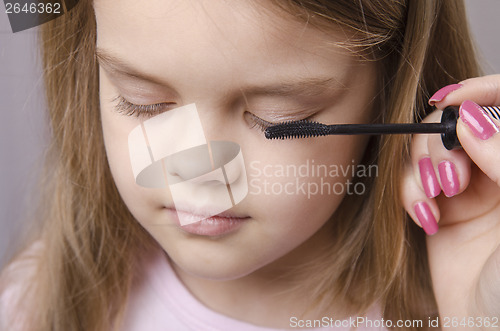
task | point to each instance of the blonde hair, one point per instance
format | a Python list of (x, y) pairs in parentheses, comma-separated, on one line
[(91, 241)]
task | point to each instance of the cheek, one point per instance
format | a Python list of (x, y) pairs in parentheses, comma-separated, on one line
[(116, 128), (115, 141), (302, 182), (115, 132)]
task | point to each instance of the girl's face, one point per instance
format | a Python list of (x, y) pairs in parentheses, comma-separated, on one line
[(236, 60)]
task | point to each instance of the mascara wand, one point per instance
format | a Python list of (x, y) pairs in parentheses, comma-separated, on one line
[(447, 128)]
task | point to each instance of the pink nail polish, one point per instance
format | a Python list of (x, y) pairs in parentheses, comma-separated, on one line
[(428, 176), (449, 178), (443, 92), (478, 121), (426, 218)]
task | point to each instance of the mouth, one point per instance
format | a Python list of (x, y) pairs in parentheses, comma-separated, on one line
[(205, 223)]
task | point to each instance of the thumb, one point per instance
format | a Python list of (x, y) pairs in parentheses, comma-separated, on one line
[(478, 135)]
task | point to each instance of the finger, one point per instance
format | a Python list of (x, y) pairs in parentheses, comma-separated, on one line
[(423, 210), (442, 93), (478, 135), (483, 90), (453, 167), (423, 168)]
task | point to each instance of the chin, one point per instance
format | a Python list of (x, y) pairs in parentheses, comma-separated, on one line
[(217, 268)]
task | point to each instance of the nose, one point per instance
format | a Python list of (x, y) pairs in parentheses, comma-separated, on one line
[(206, 180), (200, 164), (189, 164)]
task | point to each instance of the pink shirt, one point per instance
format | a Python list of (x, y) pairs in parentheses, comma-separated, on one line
[(162, 302), (158, 301)]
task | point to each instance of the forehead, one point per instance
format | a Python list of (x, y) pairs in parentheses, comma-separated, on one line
[(237, 37), (217, 24), (196, 18)]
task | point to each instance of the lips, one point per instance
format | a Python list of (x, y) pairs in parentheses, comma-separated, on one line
[(205, 211), (206, 223)]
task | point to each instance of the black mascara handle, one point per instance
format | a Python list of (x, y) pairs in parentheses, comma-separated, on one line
[(449, 120)]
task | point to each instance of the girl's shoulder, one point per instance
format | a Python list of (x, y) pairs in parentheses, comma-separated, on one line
[(16, 287)]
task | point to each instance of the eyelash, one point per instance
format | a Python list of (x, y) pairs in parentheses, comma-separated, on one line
[(259, 123), (127, 108)]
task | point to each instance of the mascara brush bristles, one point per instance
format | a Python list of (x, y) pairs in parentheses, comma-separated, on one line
[(297, 129), (306, 129)]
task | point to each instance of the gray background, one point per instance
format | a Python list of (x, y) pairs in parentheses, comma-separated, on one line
[(23, 129)]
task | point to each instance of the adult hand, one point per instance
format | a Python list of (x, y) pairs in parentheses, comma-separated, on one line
[(463, 250)]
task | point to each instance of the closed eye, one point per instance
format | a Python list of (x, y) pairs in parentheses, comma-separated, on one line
[(127, 108), (262, 125), (257, 122)]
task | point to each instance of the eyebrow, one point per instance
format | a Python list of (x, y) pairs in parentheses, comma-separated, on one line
[(298, 86), (116, 65)]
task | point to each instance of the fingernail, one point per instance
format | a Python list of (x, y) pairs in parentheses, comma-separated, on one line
[(442, 92), (449, 178), (426, 218), (428, 176), (478, 121)]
